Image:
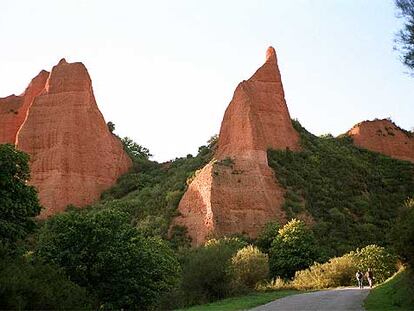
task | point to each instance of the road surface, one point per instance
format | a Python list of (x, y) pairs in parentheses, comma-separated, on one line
[(336, 299)]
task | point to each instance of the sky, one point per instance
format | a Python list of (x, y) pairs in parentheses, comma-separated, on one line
[(164, 71)]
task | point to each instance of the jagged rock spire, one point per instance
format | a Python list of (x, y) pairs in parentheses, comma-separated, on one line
[(243, 195)]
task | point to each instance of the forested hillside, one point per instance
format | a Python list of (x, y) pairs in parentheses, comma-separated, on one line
[(350, 196)]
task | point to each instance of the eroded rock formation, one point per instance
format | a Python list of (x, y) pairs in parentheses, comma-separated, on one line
[(13, 109), (237, 192), (385, 137), (56, 121)]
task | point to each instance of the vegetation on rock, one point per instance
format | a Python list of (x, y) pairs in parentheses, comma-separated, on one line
[(150, 192)]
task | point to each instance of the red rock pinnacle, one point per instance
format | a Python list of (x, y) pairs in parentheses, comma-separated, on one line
[(74, 157), (271, 55), (238, 192), (257, 117)]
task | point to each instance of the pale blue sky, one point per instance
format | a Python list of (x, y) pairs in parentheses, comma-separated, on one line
[(165, 71)]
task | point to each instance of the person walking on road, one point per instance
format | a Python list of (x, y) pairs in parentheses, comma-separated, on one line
[(370, 277), (360, 276)]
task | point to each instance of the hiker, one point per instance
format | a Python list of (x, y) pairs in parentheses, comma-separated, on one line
[(359, 275), (370, 277)]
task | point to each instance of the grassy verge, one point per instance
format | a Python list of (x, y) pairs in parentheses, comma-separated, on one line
[(244, 302), (397, 293)]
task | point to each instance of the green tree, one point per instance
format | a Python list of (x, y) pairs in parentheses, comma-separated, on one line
[(101, 251), (18, 201), (293, 249), (376, 258), (267, 235), (402, 233), (135, 150), (405, 37), (31, 285)]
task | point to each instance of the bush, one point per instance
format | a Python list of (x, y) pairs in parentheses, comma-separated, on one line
[(104, 253), (293, 249), (340, 271), (206, 275), (378, 259), (248, 266), (274, 284), (267, 235), (25, 285), (179, 237), (402, 233)]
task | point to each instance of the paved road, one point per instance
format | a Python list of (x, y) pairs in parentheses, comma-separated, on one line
[(326, 300)]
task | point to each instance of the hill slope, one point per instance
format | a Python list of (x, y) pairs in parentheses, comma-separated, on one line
[(349, 195)]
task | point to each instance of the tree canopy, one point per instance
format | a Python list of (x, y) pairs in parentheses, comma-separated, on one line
[(293, 249), (405, 38), (18, 201), (101, 251)]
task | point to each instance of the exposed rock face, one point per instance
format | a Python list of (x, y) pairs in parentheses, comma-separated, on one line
[(74, 157), (13, 109), (384, 137), (257, 117), (237, 192)]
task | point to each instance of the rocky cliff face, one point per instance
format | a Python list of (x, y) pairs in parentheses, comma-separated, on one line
[(237, 192), (74, 157), (384, 137), (13, 109)]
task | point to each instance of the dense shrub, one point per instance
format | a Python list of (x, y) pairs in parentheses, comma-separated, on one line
[(376, 258), (293, 249), (18, 201), (352, 194), (104, 253), (206, 273), (402, 233), (267, 235), (26, 285), (150, 191), (248, 266), (340, 271), (179, 237)]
